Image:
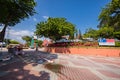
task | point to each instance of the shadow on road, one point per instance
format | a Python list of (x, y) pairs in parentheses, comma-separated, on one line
[(14, 69), (17, 71)]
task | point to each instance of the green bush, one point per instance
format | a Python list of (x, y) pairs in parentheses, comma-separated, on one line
[(117, 44)]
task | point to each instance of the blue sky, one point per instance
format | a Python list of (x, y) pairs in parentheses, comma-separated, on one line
[(83, 13)]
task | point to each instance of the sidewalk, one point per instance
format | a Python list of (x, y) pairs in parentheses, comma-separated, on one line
[(90, 67), (66, 67)]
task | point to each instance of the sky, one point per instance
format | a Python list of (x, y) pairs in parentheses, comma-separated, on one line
[(82, 13)]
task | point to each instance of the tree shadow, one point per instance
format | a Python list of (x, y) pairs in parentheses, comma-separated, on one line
[(19, 71), (13, 69), (39, 58), (57, 68), (36, 57)]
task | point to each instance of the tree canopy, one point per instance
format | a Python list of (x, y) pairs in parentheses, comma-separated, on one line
[(27, 38), (14, 42), (54, 28), (106, 32), (91, 33), (110, 15), (13, 11)]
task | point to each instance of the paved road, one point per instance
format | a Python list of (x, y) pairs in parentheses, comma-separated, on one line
[(65, 67)]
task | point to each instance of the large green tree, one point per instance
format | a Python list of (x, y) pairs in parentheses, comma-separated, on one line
[(91, 33), (14, 42), (13, 11), (117, 34), (106, 32), (27, 39), (110, 15), (54, 28)]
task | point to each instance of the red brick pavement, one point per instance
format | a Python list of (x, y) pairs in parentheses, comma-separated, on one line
[(109, 74), (24, 71), (82, 62), (70, 73), (106, 61), (112, 66)]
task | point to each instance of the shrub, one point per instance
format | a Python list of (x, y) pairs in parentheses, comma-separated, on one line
[(87, 44), (71, 44), (117, 44)]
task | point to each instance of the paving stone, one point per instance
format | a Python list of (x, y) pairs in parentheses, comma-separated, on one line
[(109, 74), (70, 73), (74, 67)]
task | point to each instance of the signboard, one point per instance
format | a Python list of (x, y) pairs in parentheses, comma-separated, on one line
[(106, 42)]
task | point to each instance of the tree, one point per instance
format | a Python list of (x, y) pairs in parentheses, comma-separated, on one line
[(79, 34), (13, 11), (110, 15), (14, 42), (7, 41), (91, 33), (106, 32), (40, 43), (54, 28), (27, 39), (117, 34)]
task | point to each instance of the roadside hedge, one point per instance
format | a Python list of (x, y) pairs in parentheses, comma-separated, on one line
[(80, 44), (117, 44)]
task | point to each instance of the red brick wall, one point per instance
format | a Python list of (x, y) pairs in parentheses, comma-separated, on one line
[(113, 52)]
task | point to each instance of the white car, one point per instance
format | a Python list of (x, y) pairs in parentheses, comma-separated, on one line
[(2, 44)]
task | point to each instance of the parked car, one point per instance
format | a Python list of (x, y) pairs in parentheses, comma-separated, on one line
[(63, 40), (2, 44)]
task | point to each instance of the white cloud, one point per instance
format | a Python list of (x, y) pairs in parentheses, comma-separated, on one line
[(45, 17), (34, 19), (17, 34)]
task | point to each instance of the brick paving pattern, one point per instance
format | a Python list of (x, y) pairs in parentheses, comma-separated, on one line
[(65, 67), (109, 74), (69, 73)]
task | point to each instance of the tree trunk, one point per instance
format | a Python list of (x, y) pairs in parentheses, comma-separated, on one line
[(2, 33)]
